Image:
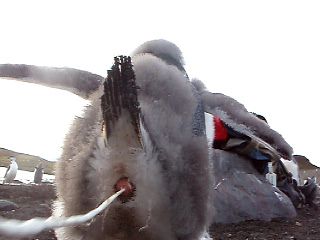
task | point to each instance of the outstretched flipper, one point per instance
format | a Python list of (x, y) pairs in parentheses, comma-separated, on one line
[(79, 82)]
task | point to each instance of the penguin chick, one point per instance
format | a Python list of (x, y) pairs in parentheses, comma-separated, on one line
[(169, 167)]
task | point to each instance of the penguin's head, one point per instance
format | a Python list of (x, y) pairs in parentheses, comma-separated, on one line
[(39, 166), (12, 159), (163, 49)]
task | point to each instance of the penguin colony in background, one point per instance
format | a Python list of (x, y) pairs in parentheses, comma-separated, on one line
[(166, 162), (11, 172)]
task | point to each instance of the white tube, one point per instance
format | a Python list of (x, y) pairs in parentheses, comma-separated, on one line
[(18, 228)]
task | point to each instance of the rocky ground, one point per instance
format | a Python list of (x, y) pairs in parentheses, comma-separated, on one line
[(35, 201), (305, 227)]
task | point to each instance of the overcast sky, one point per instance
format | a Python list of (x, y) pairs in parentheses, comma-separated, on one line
[(265, 54)]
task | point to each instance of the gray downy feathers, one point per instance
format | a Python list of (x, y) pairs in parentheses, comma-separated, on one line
[(171, 172)]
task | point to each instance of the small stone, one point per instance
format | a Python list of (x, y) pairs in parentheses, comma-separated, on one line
[(6, 205), (298, 224)]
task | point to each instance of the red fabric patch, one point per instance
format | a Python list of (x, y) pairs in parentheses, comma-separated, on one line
[(220, 132)]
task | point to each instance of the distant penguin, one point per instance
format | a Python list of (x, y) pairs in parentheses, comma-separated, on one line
[(292, 166), (11, 171), (38, 173)]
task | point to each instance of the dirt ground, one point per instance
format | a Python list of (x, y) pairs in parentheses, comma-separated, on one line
[(35, 201)]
